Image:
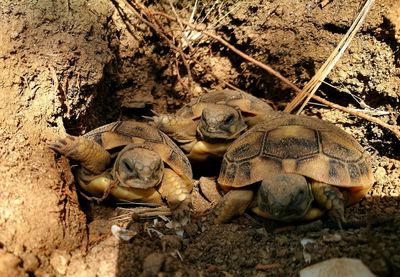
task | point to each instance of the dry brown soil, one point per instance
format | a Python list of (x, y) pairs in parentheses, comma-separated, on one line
[(70, 66)]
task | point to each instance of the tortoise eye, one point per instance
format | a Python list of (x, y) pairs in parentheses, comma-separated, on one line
[(301, 194), (229, 119), (203, 117), (127, 170), (156, 166), (127, 165), (299, 198)]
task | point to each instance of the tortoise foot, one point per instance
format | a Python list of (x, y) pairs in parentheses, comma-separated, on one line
[(176, 191), (91, 155), (66, 146), (182, 213), (331, 198), (234, 203)]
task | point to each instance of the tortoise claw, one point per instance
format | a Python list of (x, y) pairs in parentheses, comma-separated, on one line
[(63, 145), (332, 199), (337, 215), (181, 214), (234, 203)]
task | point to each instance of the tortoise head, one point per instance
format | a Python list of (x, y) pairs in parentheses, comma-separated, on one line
[(284, 197), (138, 167), (220, 122)]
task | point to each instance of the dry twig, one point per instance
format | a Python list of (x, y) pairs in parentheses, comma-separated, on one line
[(324, 3), (267, 266), (142, 212), (185, 62), (149, 13), (312, 86)]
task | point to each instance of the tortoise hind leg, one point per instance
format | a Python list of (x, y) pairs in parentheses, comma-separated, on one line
[(331, 198), (234, 203), (91, 155)]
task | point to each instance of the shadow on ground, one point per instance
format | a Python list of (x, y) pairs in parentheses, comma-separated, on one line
[(249, 246)]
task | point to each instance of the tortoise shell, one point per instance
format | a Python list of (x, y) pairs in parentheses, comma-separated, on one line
[(121, 133), (296, 144), (247, 103)]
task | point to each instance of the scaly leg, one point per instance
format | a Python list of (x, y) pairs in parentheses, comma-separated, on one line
[(254, 120), (330, 198), (180, 129), (176, 190), (91, 155), (102, 186), (234, 203), (202, 150)]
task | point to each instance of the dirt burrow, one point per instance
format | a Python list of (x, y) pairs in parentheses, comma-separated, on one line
[(45, 46), (71, 66)]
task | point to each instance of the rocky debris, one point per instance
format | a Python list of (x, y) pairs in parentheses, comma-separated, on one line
[(10, 265), (59, 261), (152, 264), (344, 267)]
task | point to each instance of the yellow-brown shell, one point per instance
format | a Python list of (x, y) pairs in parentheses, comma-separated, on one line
[(247, 103), (121, 133), (297, 144)]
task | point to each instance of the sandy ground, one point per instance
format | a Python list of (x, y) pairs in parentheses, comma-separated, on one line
[(71, 66)]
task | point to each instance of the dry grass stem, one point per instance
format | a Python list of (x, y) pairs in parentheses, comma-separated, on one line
[(312, 86), (267, 68), (395, 129), (324, 3), (142, 212), (150, 12), (188, 86)]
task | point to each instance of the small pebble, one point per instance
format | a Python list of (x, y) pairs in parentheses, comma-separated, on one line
[(171, 242), (59, 261), (379, 266), (343, 267), (30, 262), (380, 173), (152, 264), (332, 237)]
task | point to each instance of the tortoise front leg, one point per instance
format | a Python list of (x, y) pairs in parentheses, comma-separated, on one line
[(254, 120), (97, 186), (102, 186), (176, 190), (201, 150), (180, 129), (91, 155), (331, 198), (234, 203)]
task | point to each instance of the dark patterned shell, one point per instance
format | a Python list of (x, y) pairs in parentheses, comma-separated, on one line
[(296, 144), (245, 102), (121, 133)]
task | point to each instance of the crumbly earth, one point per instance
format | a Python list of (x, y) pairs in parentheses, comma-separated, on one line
[(70, 66)]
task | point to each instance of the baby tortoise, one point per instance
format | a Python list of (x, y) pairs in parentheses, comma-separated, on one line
[(293, 167), (206, 126), (131, 161)]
